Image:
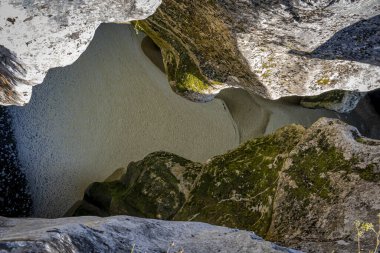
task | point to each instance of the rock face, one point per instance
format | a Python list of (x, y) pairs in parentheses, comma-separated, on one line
[(15, 199), (38, 35), (126, 234), (301, 187), (336, 100), (272, 48), (163, 179)]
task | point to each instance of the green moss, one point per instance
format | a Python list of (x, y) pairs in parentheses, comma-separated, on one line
[(369, 173), (189, 81), (148, 189), (310, 170), (324, 81), (311, 183), (183, 73), (366, 141), (197, 45), (324, 100), (266, 74), (237, 189)]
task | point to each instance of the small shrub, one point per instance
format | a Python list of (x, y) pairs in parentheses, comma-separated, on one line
[(363, 228)]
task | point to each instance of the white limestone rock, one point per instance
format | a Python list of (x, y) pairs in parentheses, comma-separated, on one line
[(302, 47), (38, 35), (274, 48)]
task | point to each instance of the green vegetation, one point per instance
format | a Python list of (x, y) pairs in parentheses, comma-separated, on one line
[(324, 81), (275, 185), (364, 227), (197, 46), (237, 189)]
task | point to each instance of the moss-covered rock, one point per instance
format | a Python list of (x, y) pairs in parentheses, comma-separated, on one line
[(237, 189), (155, 187), (336, 100), (298, 186), (187, 33), (328, 181), (271, 48)]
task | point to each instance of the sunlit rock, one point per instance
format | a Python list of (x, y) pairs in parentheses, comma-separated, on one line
[(36, 36), (301, 187), (272, 48)]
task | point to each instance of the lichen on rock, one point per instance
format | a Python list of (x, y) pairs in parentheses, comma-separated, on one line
[(271, 48)]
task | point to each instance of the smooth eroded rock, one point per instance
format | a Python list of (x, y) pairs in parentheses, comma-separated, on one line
[(126, 234), (272, 48)]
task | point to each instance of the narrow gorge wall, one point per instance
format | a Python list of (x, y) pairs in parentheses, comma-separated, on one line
[(271, 48)]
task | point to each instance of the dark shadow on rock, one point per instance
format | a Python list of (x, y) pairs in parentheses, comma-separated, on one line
[(15, 200), (375, 100), (358, 42), (153, 52)]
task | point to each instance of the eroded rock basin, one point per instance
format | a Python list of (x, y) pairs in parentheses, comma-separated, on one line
[(114, 106), (110, 107)]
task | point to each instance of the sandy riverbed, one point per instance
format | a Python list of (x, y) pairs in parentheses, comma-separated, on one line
[(110, 107)]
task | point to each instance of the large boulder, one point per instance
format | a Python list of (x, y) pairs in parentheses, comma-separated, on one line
[(36, 36), (336, 100), (272, 48), (301, 187), (126, 234), (156, 187)]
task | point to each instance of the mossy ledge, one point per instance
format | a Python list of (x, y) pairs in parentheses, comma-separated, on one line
[(296, 186), (187, 34)]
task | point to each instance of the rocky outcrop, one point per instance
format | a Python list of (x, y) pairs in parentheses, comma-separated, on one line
[(301, 187), (126, 234), (336, 100), (272, 48), (36, 36), (164, 179)]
